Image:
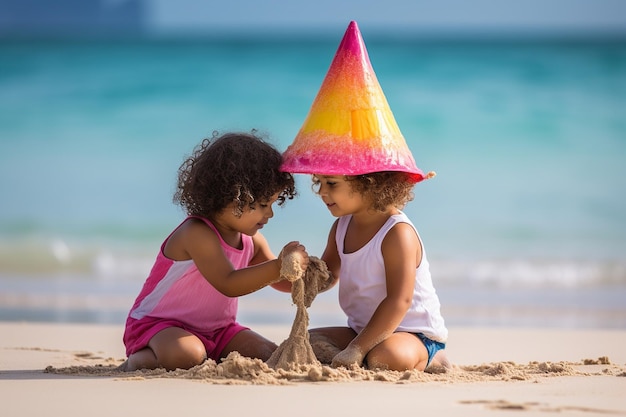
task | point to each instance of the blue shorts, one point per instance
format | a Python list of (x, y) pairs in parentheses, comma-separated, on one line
[(431, 346)]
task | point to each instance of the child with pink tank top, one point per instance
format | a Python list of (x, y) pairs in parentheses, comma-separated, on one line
[(187, 309)]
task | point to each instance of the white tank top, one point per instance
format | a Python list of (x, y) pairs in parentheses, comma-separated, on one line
[(362, 285)]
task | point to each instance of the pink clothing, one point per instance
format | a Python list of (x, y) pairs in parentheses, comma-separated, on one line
[(177, 295)]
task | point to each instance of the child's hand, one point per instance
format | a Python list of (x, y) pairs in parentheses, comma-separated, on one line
[(348, 357), (294, 261)]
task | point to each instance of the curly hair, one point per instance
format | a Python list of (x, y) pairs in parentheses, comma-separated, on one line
[(233, 167), (382, 189)]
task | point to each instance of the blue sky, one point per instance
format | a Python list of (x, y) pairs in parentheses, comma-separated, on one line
[(526, 16)]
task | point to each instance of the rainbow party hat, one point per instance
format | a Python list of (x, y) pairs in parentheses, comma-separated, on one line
[(350, 129)]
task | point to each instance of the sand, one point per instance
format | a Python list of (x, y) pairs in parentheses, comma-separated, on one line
[(296, 350), (69, 370)]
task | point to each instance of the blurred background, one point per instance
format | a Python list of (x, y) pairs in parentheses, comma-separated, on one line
[(519, 106)]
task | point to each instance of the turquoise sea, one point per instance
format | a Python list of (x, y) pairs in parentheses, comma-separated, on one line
[(525, 223)]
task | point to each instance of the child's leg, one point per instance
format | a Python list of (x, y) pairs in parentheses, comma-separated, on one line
[(171, 348), (142, 359), (439, 362), (251, 345), (329, 341), (399, 352)]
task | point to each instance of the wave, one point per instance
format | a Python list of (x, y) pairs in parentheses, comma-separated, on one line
[(125, 260), (43, 258), (530, 273), (73, 280)]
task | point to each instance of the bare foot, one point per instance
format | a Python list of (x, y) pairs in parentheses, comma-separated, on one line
[(123, 367), (440, 364)]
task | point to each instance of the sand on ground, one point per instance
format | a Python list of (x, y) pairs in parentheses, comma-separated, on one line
[(69, 369)]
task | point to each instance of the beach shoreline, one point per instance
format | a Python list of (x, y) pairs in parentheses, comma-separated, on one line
[(595, 385)]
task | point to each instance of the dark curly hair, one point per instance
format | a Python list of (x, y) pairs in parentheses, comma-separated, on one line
[(382, 189), (234, 167)]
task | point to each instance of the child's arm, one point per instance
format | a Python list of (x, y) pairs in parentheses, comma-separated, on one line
[(331, 257), (402, 254), (264, 253), (195, 240)]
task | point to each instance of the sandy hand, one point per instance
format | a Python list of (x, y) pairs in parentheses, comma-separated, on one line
[(294, 261), (348, 357)]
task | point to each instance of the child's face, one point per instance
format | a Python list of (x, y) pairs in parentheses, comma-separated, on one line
[(337, 193), (253, 218)]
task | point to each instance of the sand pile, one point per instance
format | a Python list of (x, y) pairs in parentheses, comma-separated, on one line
[(236, 369), (296, 350)]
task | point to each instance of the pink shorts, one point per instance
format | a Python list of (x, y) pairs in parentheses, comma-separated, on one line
[(139, 332)]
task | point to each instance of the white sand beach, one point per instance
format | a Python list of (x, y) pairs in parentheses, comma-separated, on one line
[(68, 369)]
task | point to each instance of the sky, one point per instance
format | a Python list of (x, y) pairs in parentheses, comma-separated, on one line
[(429, 16), (422, 17)]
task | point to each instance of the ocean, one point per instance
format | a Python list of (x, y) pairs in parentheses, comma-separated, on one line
[(524, 224)]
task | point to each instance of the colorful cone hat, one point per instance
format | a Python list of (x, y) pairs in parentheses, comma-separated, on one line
[(350, 129)]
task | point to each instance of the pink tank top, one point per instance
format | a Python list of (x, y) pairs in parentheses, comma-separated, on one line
[(177, 290)]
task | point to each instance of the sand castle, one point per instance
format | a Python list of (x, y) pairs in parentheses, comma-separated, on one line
[(296, 350)]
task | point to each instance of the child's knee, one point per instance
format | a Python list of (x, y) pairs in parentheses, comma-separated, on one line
[(251, 345), (196, 353), (264, 350), (393, 363), (188, 356), (397, 357)]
